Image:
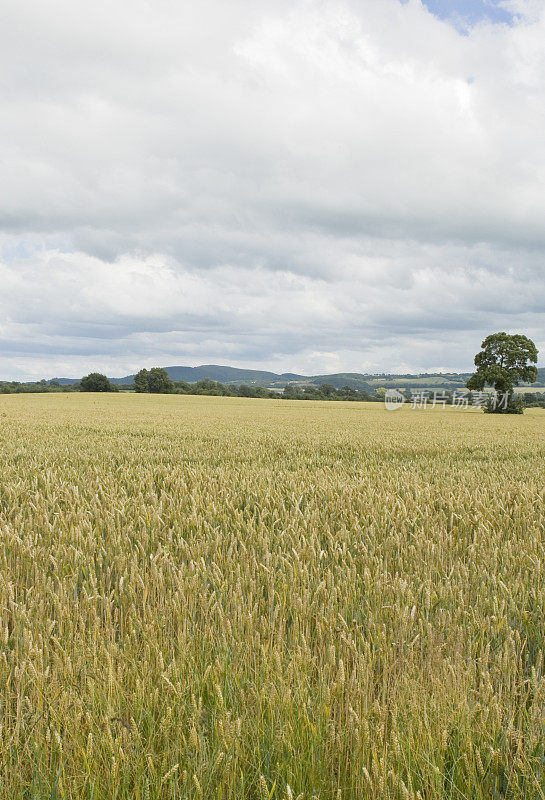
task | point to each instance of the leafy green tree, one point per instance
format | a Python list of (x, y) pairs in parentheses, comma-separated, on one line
[(348, 393), (292, 392), (159, 381), (503, 362), (326, 390), (207, 386), (155, 381), (141, 381), (96, 382)]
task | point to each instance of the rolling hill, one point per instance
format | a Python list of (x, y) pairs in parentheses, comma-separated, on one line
[(356, 380)]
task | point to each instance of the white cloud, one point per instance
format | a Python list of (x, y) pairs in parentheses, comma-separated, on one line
[(293, 185), (391, 306)]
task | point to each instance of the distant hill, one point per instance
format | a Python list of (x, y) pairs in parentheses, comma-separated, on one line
[(219, 373), (64, 381), (214, 372), (355, 380)]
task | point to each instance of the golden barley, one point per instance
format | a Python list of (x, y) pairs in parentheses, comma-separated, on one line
[(218, 597)]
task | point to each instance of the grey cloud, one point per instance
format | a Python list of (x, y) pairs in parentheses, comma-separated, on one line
[(273, 183), (158, 311)]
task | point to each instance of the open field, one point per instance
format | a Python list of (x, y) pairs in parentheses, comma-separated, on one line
[(222, 598)]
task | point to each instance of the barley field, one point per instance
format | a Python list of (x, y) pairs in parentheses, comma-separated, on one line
[(223, 598)]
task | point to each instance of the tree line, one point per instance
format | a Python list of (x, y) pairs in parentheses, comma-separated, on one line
[(157, 381), (39, 387), (504, 361), (158, 384)]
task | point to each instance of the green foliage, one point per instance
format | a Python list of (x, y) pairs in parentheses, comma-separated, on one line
[(291, 391), (512, 405), (159, 382), (503, 362), (96, 382), (14, 387), (182, 387), (326, 391), (534, 399), (141, 381), (153, 381)]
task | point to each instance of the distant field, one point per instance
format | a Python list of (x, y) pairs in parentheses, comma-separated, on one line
[(426, 381), (210, 597), (532, 389)]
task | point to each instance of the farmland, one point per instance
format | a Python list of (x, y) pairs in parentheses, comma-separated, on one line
[(224, 598)]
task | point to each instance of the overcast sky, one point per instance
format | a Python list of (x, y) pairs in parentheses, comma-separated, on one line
[(299, 185)]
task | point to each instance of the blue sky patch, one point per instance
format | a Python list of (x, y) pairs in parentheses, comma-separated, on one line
[(470, 11)]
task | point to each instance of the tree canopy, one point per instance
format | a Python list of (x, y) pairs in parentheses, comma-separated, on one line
[(503, 362), (154, 380), (96, 382)]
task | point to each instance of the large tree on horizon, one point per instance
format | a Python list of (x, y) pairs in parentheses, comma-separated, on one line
[(503, 362)]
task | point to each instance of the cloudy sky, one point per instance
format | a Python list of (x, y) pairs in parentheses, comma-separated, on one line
[(303, 185)]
